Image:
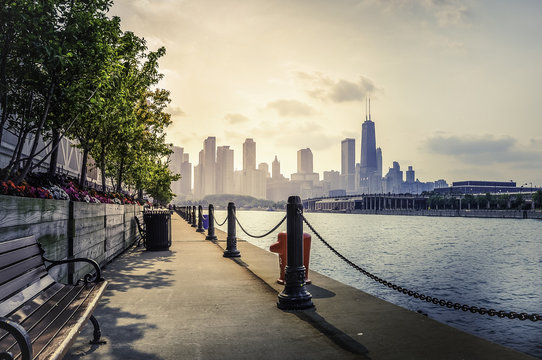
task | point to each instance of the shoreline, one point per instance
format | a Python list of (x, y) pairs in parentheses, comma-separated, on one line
[(487, 214)]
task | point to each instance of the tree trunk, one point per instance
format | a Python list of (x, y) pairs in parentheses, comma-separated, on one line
[(54, 153), (120, 174), (28, 163), (102, 169), (19, 151), (3, 85), (84, 169)]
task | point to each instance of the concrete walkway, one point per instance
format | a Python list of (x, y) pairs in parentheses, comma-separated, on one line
[(192, 303)]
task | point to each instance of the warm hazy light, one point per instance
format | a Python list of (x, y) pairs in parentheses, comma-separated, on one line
[(455, 85)]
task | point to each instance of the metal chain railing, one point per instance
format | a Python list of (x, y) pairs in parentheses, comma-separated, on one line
[(427, 298), (216, 222), (260, 236)]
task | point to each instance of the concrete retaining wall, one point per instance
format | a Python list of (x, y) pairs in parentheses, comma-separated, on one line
[(65, 229)]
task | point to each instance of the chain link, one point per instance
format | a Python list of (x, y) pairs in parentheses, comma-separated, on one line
[(259, 236), (214, 218), (429, 299)]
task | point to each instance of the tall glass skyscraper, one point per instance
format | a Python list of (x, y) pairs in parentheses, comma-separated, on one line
[(369, 164)]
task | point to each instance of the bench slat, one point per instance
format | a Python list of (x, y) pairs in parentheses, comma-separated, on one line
[(10, 304), (41, 320), (11, 245), (52, 293), (14, 271), (22, 282), (57, 348), (12, 257)]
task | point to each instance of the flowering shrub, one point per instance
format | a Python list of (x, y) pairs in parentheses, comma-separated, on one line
[(59, 193), (62, 188), (25, 190)]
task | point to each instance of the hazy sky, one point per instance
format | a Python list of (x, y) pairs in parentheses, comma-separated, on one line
[(455, 86)]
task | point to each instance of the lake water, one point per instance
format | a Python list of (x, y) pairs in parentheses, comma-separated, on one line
[(491, 263)]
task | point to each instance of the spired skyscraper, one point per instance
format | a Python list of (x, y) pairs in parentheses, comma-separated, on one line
[(369, 179)]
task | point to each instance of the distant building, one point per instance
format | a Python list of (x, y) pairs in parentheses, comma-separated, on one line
[(249, 154), (224, 170), (307, 180), (209, 166), (333, 178), (348, 165), (481, 187), (198, 177), (175, 161), (186, 175), (368, 148), (370, 177), (304, 161), (393, 179), (276, 169), (265, 168), (410, 175), (252, 181)]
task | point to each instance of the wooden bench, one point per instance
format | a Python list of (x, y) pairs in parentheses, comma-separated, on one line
[(142, 232), (39, 317)]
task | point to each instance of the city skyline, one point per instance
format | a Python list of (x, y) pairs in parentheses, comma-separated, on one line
[(454, 84)]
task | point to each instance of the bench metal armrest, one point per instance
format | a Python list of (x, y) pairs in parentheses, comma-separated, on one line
[(88, 278), (20, 335)]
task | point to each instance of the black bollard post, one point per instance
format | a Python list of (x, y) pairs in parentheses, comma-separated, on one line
[(295, 295), (200, 219), (211, 229), (194, 217), (231, 240), (188, 215)]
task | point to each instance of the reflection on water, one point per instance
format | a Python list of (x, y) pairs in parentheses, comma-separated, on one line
[(491, 263)]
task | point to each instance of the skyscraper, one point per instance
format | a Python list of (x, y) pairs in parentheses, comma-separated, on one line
[(264, 167), (186, 175), (209, 166), (224, 170), (249, 154), (379, 162), (275, 174), (175, 160), (368, 147), (348, 163), (304, 161)]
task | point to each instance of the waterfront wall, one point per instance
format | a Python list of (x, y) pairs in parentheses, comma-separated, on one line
[(70, 229), (504, 214)]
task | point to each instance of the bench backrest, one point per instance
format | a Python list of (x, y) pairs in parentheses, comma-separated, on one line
[(22, 273)]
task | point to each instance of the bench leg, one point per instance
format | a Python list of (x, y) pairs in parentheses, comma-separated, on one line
[(97, 332)]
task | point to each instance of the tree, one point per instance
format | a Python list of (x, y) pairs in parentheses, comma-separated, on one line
[(47, 51)]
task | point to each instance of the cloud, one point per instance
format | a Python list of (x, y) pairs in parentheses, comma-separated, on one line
[(297, 135), (486, 150), (338, 91), (447, 12), (175, 111), (235, 118), (286, 107), (444, 12)]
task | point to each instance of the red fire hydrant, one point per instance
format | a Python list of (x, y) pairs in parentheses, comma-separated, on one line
[(280, 247)]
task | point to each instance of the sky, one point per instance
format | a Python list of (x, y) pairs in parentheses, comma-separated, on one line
[(455, 86)]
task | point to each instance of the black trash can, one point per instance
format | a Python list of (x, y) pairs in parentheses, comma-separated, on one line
[(158, 226)]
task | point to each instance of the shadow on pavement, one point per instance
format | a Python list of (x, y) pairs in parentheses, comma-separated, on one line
[(122, 329), (341, 339)]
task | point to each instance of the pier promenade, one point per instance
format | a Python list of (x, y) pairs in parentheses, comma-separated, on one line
[(192, 303)]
